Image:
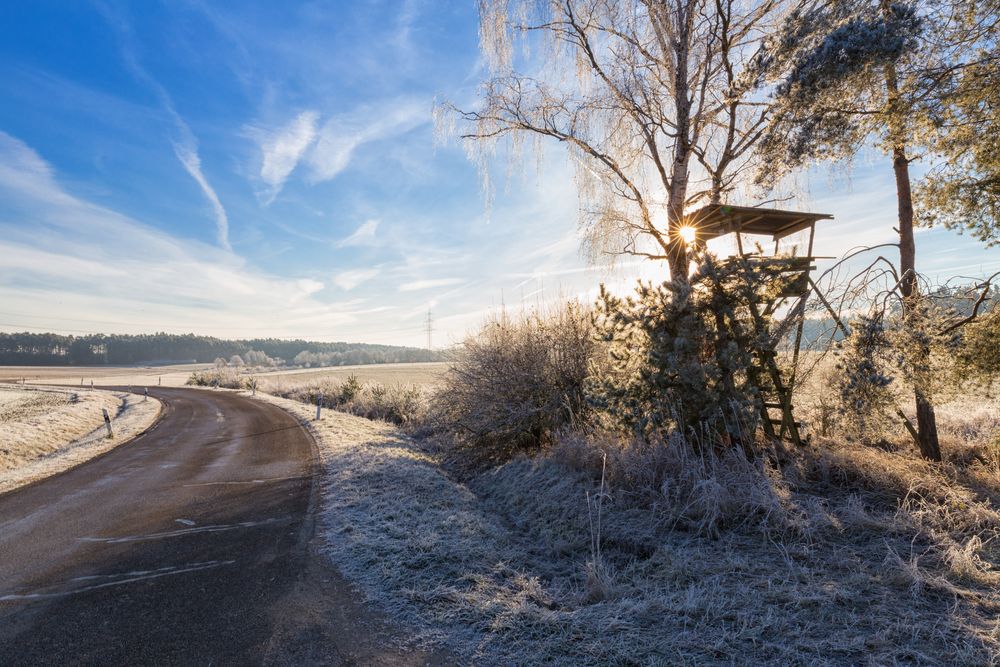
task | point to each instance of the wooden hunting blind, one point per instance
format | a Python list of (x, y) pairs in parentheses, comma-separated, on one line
[(793, 271)]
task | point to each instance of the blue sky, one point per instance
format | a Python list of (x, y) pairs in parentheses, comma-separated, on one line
[(271, 169)]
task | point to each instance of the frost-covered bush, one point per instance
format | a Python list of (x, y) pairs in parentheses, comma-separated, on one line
[(977, 359), (515, 382), (349, 389), (228, 378), (258, 358), (399, 404)]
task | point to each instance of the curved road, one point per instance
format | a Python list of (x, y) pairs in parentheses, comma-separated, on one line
[(189, 545)]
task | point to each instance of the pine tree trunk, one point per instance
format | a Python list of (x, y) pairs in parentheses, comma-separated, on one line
[(926, 421), (927, 435)]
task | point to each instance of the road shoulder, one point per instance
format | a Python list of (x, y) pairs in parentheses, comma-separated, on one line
[(331, 611)]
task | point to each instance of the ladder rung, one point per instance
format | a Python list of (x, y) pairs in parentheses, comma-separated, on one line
[(773, 405), (779, 422)]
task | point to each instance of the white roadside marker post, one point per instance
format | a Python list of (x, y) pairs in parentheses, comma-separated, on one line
[(91, 384), (319, 405), (145, 396), (159, 380), (107, 422)]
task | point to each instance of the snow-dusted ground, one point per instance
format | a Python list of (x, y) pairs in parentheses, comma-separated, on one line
[(45, 430), (497, 567)]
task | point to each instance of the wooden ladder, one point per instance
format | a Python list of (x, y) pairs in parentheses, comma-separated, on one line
[(775, 393)]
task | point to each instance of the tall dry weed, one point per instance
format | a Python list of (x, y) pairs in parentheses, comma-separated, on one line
[(683, 484)]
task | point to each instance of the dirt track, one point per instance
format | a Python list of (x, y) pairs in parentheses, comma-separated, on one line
[(193, 544)]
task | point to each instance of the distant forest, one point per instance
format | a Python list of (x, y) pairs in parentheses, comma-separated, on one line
[(47, 349)]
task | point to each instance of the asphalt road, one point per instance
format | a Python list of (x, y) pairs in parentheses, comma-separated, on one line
[(191, 545)]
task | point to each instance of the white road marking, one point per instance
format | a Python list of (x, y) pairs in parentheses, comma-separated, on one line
[(130, 577), (186, 522), (247, 481), (182, 532)]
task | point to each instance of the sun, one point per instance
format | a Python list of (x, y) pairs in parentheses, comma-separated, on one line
[(688, 234)]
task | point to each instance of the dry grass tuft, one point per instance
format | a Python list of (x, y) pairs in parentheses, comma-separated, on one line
[(687, 487)]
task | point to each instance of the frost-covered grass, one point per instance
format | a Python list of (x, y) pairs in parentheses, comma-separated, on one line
[(45, 430), (423, 374), (846, 555), (397, 403)]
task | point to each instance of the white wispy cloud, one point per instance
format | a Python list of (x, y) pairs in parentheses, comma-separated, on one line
[(341, 136), (185, 144), (187, 153), (282, 148), (99, 265), (328, 149), (428, 284), (363, 235), (348, 280), (310, 286)]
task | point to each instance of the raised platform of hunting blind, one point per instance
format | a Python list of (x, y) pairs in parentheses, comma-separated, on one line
[(715, 220)]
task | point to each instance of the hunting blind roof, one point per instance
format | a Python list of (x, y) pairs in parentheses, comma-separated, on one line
[(717, 220)]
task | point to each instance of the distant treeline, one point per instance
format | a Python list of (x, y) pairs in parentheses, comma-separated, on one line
[(46, 349)]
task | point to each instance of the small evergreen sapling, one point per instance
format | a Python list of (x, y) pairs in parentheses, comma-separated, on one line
[(681, 355), (866, 396)]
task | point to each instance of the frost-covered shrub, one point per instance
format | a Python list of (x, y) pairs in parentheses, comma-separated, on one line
[(399, 404), (223, 376), (977, 358), (515, 382), (258, 358), (349, 389)]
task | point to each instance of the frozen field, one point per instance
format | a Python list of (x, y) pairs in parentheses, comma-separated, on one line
[(46, 429), (169, 376)]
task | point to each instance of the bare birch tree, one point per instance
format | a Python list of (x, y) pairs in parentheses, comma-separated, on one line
[(658, 103)]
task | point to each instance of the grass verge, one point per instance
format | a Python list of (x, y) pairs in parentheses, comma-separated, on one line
[(865, 556)]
